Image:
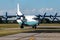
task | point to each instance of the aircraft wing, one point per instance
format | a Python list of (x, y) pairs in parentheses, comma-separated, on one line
[(1, 17), (10, 16), (50, 16)]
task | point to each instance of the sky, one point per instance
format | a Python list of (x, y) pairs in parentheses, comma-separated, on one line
[(30, 7)]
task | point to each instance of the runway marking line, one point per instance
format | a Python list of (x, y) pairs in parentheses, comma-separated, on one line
[(32, 38)]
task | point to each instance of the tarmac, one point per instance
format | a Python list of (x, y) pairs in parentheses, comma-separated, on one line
[(32, 36), (42, 34)]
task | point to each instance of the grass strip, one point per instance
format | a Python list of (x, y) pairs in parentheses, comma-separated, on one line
[(9, 32), (9, 25)]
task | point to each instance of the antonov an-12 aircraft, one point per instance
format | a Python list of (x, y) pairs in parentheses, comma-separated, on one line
[(26, 20)]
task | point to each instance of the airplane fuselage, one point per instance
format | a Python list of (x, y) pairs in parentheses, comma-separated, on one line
[(29, 21)]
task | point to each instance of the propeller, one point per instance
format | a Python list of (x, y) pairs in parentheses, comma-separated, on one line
[(5, 17), (38, 17), (54, 17), (22, 18), (23, 21)]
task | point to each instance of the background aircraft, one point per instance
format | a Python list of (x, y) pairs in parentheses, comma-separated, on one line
[(50, 17), (7, 16)]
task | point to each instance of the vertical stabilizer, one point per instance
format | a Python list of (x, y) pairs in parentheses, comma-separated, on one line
[(18, 10)]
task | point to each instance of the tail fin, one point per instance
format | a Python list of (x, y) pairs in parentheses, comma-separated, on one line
[(18, 11)]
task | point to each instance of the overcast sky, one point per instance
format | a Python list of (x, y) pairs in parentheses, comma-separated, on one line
[(30, 6)]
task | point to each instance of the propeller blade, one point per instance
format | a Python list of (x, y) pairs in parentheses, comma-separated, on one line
[(57, 19), (5, 17), (44, 16), (55, 14), (51, 16), (38, 17), (53, 19)]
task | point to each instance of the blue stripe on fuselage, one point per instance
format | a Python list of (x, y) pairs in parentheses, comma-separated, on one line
[(29, 23)]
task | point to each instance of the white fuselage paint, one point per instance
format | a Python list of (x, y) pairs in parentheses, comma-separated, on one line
[(30, 20)]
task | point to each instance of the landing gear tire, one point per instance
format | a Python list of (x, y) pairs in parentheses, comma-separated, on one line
[(34, 27), (21, 26)]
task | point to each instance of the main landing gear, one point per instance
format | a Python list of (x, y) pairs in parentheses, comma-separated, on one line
[(21, 26), (34, 26)]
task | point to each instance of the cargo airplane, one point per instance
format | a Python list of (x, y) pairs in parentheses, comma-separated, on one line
[(27, 20)]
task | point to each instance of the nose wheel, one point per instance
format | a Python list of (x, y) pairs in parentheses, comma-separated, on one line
[(22, 26)]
